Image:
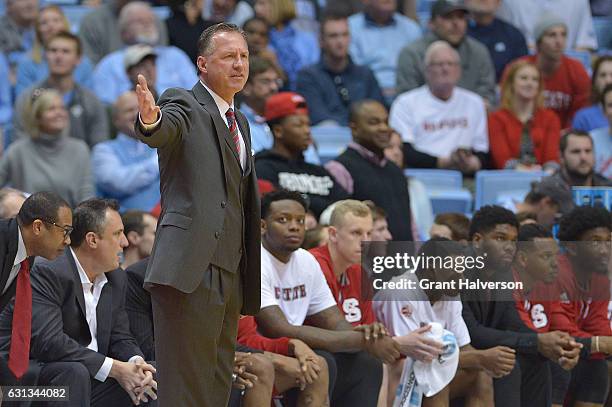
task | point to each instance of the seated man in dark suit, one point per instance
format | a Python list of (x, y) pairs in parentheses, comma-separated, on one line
[(80, 330)]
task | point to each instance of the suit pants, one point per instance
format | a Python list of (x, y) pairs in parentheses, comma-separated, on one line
[(529, 384), (84, 391), (195, 337)]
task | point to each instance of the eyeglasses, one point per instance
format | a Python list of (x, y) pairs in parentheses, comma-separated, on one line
[(67, 229)]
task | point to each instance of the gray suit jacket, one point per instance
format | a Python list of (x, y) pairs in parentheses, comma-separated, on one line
[(194, 183)]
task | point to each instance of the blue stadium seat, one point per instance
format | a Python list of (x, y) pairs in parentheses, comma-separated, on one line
[(450, 200), (583, 56), (330, 140), (496, 186), (437, 179), (444, 189)]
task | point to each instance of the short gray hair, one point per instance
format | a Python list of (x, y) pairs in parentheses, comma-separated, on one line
[(436, 46), (129, 9), (206, 44)]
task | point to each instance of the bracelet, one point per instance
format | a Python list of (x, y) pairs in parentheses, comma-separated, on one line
[(597, 344)]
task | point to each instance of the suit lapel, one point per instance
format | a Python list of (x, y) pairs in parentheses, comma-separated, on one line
[(10, 251), (104, 317), (78, 286), (208, 103)]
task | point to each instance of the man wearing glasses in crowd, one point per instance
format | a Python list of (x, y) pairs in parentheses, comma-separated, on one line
[(42, 228)]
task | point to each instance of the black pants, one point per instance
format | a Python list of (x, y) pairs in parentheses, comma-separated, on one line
[(83, 390), (195, 336), (587, 382), (528, 385), (354, 378)]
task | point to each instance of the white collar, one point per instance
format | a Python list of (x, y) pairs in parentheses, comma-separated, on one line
[(22, 254), (83, 276), (222, 105)]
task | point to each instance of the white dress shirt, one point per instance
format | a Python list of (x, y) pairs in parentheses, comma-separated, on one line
[(19, 257), (92, 292), (223, 106)]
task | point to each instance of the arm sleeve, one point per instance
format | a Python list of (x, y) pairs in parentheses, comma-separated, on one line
[(173, 121), (268, 298), (484, 337), (417, 159), (97, 124), (582, 89), (119, 179), (485, 86), (374, 91), (105, 85), (552, 134), (480, 140), (585, 37), (86, 189), (498, 147), (6, 106), (308, 86), (341, 175), (322, 297), (122, 345), (248, 336), (49, 342), (409, 71)]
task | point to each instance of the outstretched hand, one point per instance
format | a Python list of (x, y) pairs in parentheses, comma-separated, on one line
[(149, 111)]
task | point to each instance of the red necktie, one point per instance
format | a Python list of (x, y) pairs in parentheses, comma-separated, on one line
[(233, 128), (19, 353)]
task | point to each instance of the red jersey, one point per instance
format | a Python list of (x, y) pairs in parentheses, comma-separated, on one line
[(348, 291), (536, 307), (566, 90), (582, 313), (248, 336)]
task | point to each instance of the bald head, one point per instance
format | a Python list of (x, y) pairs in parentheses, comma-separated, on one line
[(125, 111), (138, 24), (442, 68)]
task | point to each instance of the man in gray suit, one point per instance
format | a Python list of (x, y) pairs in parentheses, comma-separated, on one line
[(205, 265)]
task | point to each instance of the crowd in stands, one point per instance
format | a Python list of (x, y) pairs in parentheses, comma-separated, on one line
[(413, 84)]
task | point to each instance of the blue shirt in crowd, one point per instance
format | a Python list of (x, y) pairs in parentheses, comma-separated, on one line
[(378, 46), (30, 72), (504, 42), (330, 94), (6, 104), (262, 138), (590, 118), (602, 144), (174, 69), (127, 170), (295, 49)]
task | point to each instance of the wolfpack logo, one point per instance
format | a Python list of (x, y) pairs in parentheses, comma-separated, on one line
[(290, 294), (306, 183)]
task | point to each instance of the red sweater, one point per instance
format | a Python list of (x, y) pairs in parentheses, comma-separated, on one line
[(248, 336), (505, 136), (566, 90), (581, 313), (355, 306)]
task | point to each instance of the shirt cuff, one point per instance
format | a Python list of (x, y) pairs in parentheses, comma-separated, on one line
[(152, 126), (104, 370), (136, 358)]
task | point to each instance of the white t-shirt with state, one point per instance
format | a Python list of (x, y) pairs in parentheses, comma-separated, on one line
[(438, 127), (298, 287), (405, 311)]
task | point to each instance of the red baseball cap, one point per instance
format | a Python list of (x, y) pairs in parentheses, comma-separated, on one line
[(284, 104)]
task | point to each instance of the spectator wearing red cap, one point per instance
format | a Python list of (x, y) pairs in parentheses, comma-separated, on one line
[(284, 165)]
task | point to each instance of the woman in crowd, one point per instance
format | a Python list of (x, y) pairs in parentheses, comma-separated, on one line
[(294, 47), (523, 135), (48, 160), (33, 68), (592, 117)]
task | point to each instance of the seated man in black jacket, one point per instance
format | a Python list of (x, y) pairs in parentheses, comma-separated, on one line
[(492, 318), (80, 330), (283, 165)]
